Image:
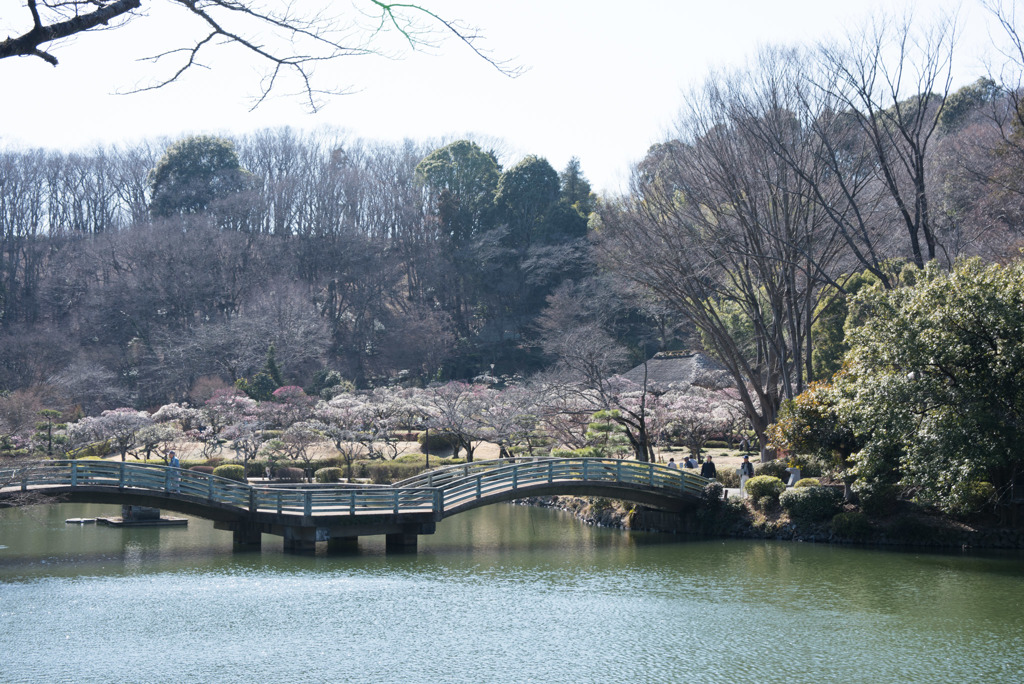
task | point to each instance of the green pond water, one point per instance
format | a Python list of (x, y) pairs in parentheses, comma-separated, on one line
[(501, 594)]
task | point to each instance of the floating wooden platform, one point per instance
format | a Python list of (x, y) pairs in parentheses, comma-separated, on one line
[(118, 521), (80, 521)]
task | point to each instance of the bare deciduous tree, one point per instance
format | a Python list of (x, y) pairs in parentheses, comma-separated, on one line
[(892, 81), (725, 231)]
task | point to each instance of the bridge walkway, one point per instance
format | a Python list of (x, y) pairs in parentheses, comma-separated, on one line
[(341, 513)]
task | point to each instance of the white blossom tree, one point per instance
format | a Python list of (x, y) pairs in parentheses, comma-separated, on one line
[(341, 420), (694, 415), (120, 427), (510, 419), (457, 409)]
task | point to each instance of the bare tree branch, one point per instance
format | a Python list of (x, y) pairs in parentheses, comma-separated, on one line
[(289, 40), (28, 44)]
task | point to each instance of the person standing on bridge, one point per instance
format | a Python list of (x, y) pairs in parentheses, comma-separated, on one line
[(708, 469), (175, 465)]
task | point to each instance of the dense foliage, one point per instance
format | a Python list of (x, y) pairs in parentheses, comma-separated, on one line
[(812, 504), (934, 384)]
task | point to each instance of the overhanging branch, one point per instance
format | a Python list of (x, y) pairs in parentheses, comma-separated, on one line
[(27, 45)]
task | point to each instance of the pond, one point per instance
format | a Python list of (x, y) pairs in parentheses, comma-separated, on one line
[(502, 593)]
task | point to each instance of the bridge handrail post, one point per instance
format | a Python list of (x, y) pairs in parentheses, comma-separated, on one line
[(396, 500), (439, 501), (74, 473), (120, 471), (618, 470), (585, 464), (515, 477), (551, 472), (252, 500), (479, 480), (280, 505), (650, 474), (352, 502), (308, 504), (209, 487)]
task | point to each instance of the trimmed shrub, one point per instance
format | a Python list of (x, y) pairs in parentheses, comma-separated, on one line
[(328, 475), (851, 525), (420, 460), (809, 503), (717, 444), (230, 471), (202, 469), (812, 470), (808, 482), (776, 468), (439, 441), (290, 474), (407, 436), (765, 490), (727, 476), (256, 469), (712, 495), (386, 472)]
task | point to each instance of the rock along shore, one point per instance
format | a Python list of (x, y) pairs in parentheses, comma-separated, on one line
[(734, 519)]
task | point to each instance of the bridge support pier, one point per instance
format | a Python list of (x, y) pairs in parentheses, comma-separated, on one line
[(401, 542), (247, 536), (300, 539), (343, 544)]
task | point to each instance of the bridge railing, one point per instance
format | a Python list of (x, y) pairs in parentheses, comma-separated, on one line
[(348, 501), (442, 477), (195, 485), (468, 482), (150, 477), (432, 492)]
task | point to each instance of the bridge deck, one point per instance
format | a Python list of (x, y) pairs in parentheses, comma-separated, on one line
[(424, 499)]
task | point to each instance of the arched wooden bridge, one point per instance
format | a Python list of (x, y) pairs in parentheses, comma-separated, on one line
[(339, 514)]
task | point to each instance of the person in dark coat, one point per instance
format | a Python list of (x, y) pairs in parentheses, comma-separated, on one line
[(746, 472), (708, 469)]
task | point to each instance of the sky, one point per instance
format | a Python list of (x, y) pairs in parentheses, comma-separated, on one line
[(602, 79)]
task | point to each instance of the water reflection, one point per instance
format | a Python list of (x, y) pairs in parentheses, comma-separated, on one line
[(504, 593)]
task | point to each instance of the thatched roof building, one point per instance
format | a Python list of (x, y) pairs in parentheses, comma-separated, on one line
[(682, 367)]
